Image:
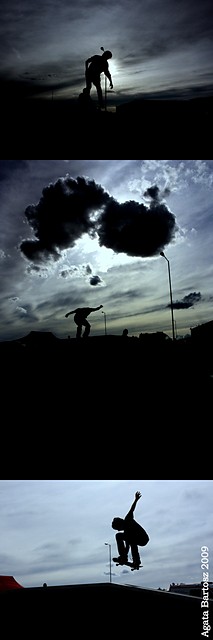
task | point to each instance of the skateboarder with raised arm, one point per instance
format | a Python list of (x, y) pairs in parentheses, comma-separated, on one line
[(131, 536), (80, 316)]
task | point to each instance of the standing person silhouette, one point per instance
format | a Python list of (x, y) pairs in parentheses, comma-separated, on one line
[(94, 66), (80, 316), (132, 535)]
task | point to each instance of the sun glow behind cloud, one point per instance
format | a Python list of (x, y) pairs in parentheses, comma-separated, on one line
[(101, 257)]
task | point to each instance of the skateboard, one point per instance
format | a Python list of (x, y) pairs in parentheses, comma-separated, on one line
[(127, 564)]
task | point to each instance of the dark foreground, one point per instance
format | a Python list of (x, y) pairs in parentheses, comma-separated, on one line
[(127, 377), (132, 129), (101, 407), (100, 611)]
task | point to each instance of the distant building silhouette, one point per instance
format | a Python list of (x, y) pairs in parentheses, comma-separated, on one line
[(202, 332), (38, 338), (159, 337), (194, 589)]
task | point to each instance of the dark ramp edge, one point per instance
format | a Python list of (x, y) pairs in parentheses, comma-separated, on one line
[(100, 609)]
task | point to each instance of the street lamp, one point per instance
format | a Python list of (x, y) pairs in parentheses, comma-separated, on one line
[(104, 321), (110, 571), (170, 289)]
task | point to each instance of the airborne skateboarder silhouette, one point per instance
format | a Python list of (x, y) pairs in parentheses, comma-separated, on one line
[(132, 536)]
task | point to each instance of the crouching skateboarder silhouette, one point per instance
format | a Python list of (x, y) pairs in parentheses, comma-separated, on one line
[(131, 535), (80, 318)]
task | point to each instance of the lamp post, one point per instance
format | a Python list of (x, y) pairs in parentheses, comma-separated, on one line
[(170, 290), (110, 563), (104, 321)]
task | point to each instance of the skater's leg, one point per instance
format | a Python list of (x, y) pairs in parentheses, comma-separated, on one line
[(122, 549), (99, 92), (87, 329), (79, 330), (135, 554), (88, 83)]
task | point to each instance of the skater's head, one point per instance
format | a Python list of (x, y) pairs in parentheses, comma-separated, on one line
[(118, 524), (107, 55)]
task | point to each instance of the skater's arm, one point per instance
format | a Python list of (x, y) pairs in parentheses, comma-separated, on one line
[(96, 308), (131, 511), (70, 313), (108, 75)]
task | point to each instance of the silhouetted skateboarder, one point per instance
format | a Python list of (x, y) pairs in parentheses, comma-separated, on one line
[(94, 66), (80, 319), (132, 536)]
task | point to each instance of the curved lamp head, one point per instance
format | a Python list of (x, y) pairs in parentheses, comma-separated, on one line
[(163, 256)]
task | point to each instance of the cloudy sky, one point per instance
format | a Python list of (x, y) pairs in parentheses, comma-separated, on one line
[(159, 48), (89, 232), (55, 531)]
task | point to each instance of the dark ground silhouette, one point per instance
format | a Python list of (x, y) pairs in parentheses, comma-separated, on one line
[(86, 105), (101, 610), (140, 380), (162, 125), (104, 406)]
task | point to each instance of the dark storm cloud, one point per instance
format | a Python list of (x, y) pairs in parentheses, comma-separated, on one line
[(187, 301), (82, 271), (156, 194), (88, 269), (62, 216), (135, 229), (94, 280), (68, 209)]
